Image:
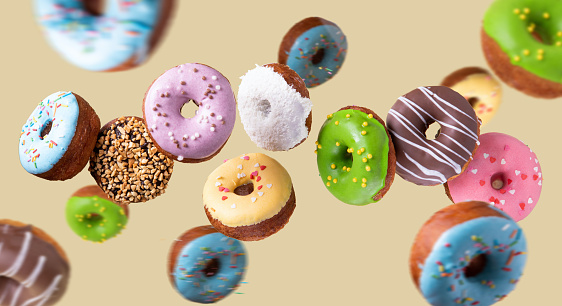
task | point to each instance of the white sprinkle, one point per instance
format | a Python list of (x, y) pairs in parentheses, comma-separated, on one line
[(517, 172), (212, 129), (260, 193), (180, 158), (205, 120), (257, 165), (536, 161), (154, 126), (540, 183), (239, 167), (233, 205), (218, 87), (185, 136), (536, 169), (219, 117), (502, 202), (530, 201), (208, 106), (503, 161), (192, 137), (505, 227), (214, 77), (268, 185), (540, 174), (218, 183), (254, 200), (486, 155), (218, 177), (512, 191), (197, 135), (172, 138), (170, 134), (474, 171)]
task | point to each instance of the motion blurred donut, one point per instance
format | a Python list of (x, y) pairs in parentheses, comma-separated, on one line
[(274, 107), (522, 40), (116, 36)]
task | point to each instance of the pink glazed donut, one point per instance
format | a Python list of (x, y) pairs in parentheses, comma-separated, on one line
[(503, 172), (195, 139)]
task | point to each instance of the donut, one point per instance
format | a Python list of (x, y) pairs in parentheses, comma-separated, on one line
[(504, 172), (425, 161), (355, 156), (315, 48), (118, 36), (57, 138), (274, 107), (205, 266), (92, 216), (468, 254), (126, 164), (249, 197), (521, 41), (479, 88), (34, 270), (201, 137)]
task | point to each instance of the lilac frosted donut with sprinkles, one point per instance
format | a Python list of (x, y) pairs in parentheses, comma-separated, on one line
[(195, 139), (57, 138), (100, 35)]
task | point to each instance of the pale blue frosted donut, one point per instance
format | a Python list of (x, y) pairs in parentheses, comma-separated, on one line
[(37, 154), (99, 43)]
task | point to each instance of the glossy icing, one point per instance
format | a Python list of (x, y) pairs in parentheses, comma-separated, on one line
[(431, 162), (506, 157), (39, 155), (272, 189), (443, 281), (32, 272), (95, 219), (202, 135), (485, 90), (273, 113), (189, 277), (352, 156), (99, 42), (327, 37), (513, 24)]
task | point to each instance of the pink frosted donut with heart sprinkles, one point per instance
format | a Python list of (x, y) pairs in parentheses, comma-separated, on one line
[(504, 172), (195, 139)]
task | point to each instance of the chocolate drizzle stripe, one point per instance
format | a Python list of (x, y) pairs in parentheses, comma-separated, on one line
[(426, 90), (425, 170), (16, 295), (43, 297), (14, 268), (36, 271), (415, 175), (457, 143)]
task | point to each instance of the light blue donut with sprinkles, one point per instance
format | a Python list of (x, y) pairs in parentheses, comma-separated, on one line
[(192, 277), (443, 281), (99, 43), (39, 154), (318, 53)]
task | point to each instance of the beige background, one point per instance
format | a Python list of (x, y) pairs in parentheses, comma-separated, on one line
[(330, 253)]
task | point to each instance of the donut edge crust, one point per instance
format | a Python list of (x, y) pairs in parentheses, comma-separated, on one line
[(168, 154), (182, 241), (391, 168), (295, 81), (438, 223), (259, 230), (159, 30), (295, 32), (460, 74), (74, 159), (515, 76), (95, 190), (476, 145)]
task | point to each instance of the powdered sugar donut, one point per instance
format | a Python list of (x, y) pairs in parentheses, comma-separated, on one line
[(504, 172), (202, 136), (274, 107)]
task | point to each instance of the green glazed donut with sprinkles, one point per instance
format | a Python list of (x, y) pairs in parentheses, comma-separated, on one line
[(93, 216), (355, 156), (522, 42)]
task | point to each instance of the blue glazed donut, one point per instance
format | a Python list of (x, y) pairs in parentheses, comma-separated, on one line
[(62, 125), (315, 48), (205, 265), (469, 253), (120, 38)]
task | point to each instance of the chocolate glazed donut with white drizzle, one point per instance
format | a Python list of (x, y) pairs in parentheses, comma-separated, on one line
[(425, 161)]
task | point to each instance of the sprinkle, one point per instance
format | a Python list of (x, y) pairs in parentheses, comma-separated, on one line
[(365, 123), (517, 11), (363, 185), (233, 205), (337, 144), (368, 168), (328, 184), (333, 166), (363, 133), (364, 180), (337, 123), (364, 159), (540, 57), (526, 52), (546, 15), (526, 10), (370, 116), (329, 177), (214, 77), (355, 180), (330, 115), (517, 58), (347, 115)]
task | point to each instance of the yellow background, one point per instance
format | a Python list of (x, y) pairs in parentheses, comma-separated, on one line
[(329, 253)]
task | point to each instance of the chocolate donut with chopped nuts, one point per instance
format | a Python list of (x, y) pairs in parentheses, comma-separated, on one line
[(126, 164)]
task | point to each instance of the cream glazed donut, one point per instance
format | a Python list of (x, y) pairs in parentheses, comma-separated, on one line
[(503, 172), (274, 107), (195, 139)]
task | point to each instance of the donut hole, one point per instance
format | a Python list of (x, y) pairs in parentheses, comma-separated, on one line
[(476, 265), (433, 131), (318, 56), (497, 181), (93, 217), (244, 190), (189, 109), (94, 7), (46, 129), (211, 267), (473, 101), (264, 107), (541, 35)]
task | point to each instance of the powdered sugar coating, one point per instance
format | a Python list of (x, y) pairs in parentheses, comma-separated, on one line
[(507, 158), (273, 113), (202, 135)]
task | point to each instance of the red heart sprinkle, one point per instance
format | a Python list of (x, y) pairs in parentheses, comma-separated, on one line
[(509, 181), (502, 191), (492, 160), (255, 173), (224, 198), (226, 190), (482, 183), (491, 199), (247, 157), (535, 177), (259, 187), (497, 201), (523, 176), (522, 205), (221, 188), (262, 167), (258, 179)]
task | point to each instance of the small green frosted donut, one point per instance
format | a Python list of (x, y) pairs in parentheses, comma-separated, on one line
[(355, 156), (94, 218)]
